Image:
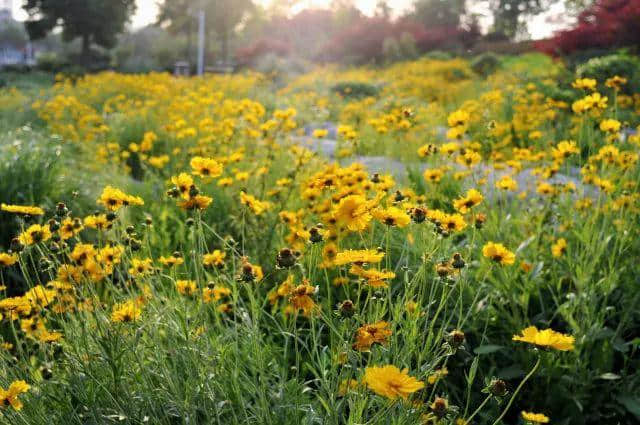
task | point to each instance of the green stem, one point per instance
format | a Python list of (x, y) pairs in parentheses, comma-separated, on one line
[(515, 393)]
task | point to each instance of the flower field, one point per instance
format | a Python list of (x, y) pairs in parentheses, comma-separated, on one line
[(414, 244)]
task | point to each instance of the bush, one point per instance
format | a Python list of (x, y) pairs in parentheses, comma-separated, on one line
[(485, 64), (609, 66), (605, 24), (355, 90)]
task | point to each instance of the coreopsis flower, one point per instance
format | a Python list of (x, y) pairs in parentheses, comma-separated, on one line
[(174, 259), (357, 257), (547, 338), (183, 183), (392, 216), (250, 272), (353, 211), (559, 247), (506, 183), (7, 259), (22, 209), (585, 84), (9, 397), (534, 418), (616, 82), (610, 126), (206, 167), (545, 189), (258, 207), (469, 158), (390, 382), (70, 227), (214, 259), (452, 222), (375, 333), (374, 278), (35, 234), (300, 299), (113, 199), (437, 375), (186, 287), (498, 253), (564, 149), (215, 293), (141, 267), (199, 202), (98, 221), (110, 255), (470, 200), (433, 175), (320, 133), (128, 311)]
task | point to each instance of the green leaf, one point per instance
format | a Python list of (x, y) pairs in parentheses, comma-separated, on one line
[(632, 404), (609, 376), (487, 349)]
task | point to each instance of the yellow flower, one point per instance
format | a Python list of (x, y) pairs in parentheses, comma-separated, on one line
[(206, 167), (470, 200), (354, 212), (392, 216), (21, 209), (585, 84), (186, 287), (35, 234), (536, 418), (507, 183), (184, 183), (9, 397), (498, 253), (358, 257), (126, 312), (388, 381), (257, 206), (367, 335), (141, 267), (113, 199), (559, 248), (216, 258), (7, 260), (546, 338), (610, 126)]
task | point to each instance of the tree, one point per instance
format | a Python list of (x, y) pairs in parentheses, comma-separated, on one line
[(222, 17), (508, 14), (94, 21), (439, 13)]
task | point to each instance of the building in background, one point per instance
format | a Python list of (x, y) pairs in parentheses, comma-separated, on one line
[(15, 47)]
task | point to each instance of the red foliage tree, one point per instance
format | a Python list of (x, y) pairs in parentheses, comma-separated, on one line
[(606, 24)]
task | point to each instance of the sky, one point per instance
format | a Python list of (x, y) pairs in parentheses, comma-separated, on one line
[(540, 26)]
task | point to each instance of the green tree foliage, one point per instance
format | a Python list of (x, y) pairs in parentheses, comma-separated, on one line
[(222, 17), (94, 21), (439, 13), (509, 14)]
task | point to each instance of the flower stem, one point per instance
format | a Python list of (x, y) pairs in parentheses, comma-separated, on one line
[(515, 393)]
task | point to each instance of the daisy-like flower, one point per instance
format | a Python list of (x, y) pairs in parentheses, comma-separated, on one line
[(354, 211), (35, 234), (206, 167), (126, 312), (498, 253), (9, 397), (186, 287), (507, 183), (470, 200), (214, 259), (559, 248), (375, 333), (392, 216), (22, 209), (547, 338), (358, 257), (7, 260), (390, 382), (113, 199), (535, 418)]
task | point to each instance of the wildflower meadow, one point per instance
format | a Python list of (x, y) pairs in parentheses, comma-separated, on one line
[(414, 243)]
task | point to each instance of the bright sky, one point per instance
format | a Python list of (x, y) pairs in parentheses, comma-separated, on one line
[(539, 27)]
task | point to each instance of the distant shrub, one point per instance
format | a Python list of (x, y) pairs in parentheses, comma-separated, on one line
[(51, 62), (485, 64), (351, 89), (438, 55), (605, 24), (609, 66)]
